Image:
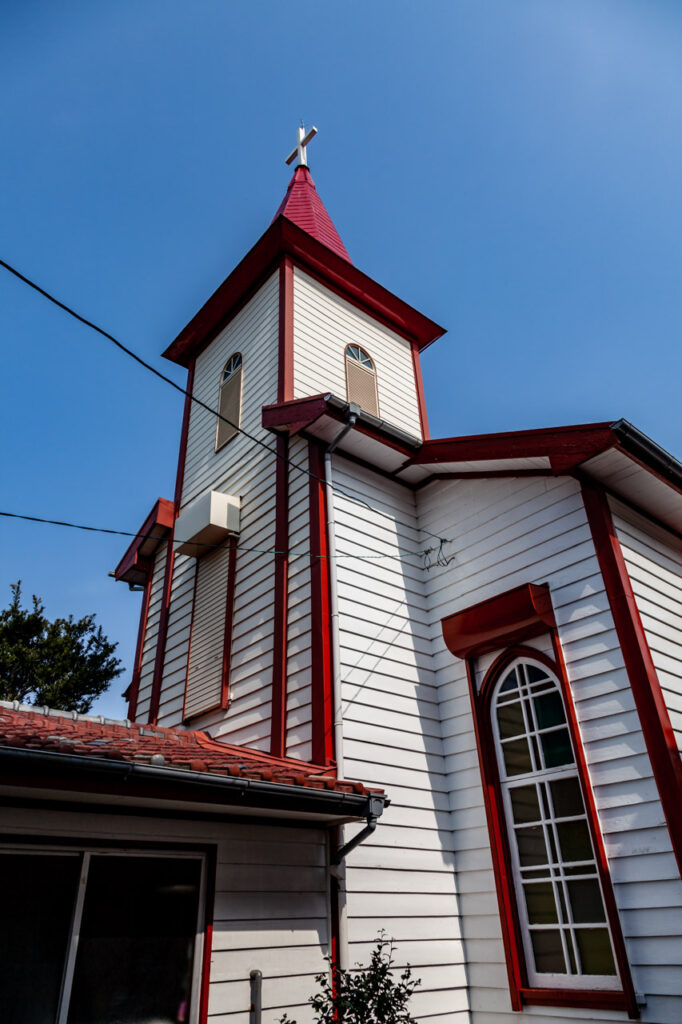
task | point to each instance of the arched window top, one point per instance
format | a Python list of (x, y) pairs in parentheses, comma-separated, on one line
[(360, 356), (233, 364)]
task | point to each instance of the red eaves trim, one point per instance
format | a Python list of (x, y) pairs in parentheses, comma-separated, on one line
[(419, 383), (229, 621), (170, 556), (646, 689), (321, 683), (137, 669), (508, 618), (285, 377), (520, 992), (285, 238), (161, 518), (278, 719)]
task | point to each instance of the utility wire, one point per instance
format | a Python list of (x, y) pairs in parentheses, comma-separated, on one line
[(425, 553), (183, 391)]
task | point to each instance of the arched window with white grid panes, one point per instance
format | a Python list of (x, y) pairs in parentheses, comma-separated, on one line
[(361, 379), (229, 401), (560, 904)]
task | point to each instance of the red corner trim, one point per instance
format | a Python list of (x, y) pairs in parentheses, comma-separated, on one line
[(322, 699), (229, 621), (278, 726), (646, 689), (419, 383), (137, 669), (150, 534), (285, 378), (506, 619), (182, 456), (520, 992)]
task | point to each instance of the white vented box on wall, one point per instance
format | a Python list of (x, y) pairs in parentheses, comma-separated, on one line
[(206, 522)]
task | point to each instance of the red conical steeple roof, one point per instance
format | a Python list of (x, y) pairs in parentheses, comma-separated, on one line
[(304, 208)]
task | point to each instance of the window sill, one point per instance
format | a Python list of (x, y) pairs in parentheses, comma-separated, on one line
[(590, 999)]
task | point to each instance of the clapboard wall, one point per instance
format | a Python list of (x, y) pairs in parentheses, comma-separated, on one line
[(505, 533), (151, 634), (653, 557), (403, 878), (244, 469), (299, 648), (324, 324), (271, 903)]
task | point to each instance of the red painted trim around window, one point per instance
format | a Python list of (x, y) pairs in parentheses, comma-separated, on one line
[(137, 669), (508, 618), (278, 719), (419, 384), (229, 621), (321, 683), (285, 377), (646, 689), (520, 991)]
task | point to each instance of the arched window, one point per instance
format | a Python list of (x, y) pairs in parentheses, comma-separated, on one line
[(361, 379), (559, 900), (229, 401)]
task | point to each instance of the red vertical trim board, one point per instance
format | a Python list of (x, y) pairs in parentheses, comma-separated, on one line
[(137, 667), (210, 869), (321, 683), (419, 383), (229, 619), (278, 721), (285, 378), (170, 557), (646, 689)]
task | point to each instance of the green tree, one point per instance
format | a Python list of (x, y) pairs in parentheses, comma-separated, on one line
[(369, 995), (63, 664)]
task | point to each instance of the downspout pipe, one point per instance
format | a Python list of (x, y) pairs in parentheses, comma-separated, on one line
[(353, 413), (376, 807)]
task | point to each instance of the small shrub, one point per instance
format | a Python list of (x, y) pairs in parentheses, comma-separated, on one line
[(369, 995)]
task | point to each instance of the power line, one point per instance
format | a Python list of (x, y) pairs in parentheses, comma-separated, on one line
[(424, 553), (183, 391)]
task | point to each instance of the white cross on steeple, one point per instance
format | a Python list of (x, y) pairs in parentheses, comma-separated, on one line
[(300, 150)]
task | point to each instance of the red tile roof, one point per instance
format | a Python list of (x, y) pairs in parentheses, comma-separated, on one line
[(62, 732), (303, 207)]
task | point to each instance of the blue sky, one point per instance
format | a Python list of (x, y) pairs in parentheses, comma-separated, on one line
[(511, 169)]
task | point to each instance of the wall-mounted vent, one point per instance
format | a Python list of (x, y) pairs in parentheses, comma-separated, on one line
[(361, 380)]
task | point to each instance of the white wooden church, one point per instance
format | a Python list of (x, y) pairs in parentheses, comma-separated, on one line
[(382, 681)]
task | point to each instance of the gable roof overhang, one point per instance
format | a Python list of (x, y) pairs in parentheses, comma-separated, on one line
[(284, 238), (136, 562)]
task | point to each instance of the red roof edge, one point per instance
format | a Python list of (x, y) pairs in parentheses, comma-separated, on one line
[(134, 565), (284, 238)]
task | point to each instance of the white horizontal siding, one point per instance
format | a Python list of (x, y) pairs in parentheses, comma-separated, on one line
[(403, 878), (151, 635), (270, 909), (299, 651), (324, 324), (654, 560), (507, 532)]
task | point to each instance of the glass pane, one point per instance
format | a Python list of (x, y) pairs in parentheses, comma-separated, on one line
[(548, 951), (556, 746), (549, 710), (531, 845), (535, 674), (574, 840), (540, 903), (37, 905), (510, 720), (510, 683), (567, 798), (517, 757), (135, 953), (586, 900), (525, 806), (594, 948)]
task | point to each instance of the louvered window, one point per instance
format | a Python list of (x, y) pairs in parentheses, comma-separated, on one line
[(229, 401), (361, 379)]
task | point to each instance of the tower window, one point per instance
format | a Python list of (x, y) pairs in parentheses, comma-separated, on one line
[(229, 401), (361, 379)]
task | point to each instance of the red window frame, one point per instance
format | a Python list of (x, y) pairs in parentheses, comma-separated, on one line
[(469, 634)]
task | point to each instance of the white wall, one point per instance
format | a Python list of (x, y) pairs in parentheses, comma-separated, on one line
[(403, 878), (271, 905), (324, 324), (299, 652), (654, 560), (151, 634), (508, 532)]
